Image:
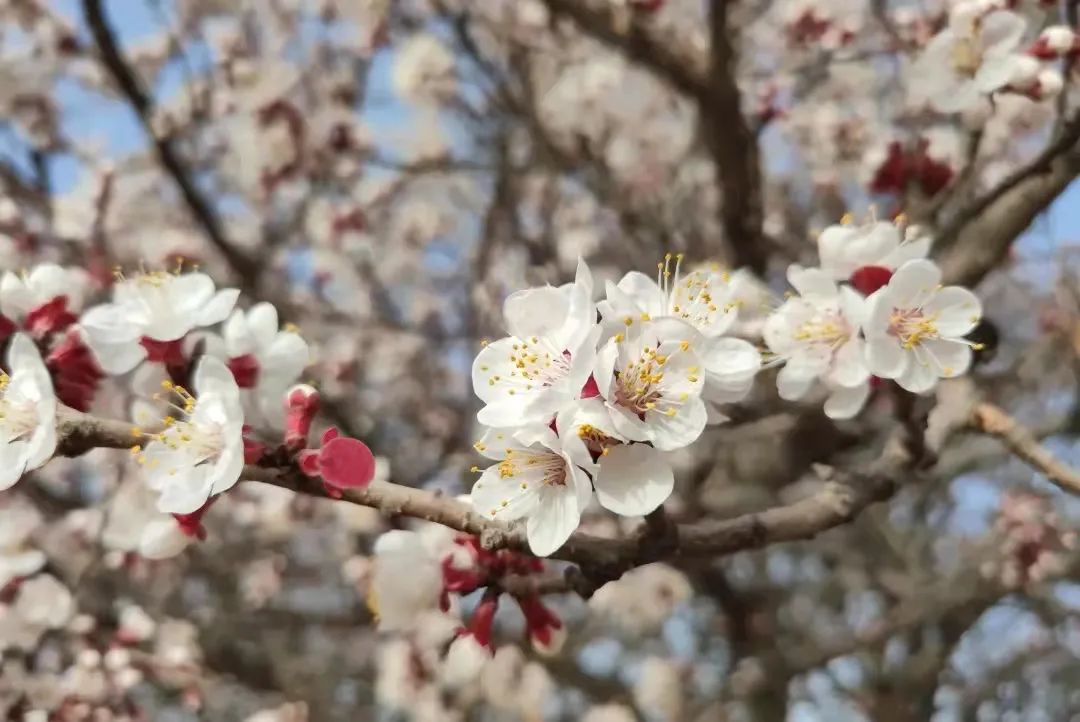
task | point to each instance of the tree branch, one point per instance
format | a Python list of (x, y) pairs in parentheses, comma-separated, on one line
[(837, 502), (141, 102), (734, 148), (991, 420), (978, 237), (674, 64)]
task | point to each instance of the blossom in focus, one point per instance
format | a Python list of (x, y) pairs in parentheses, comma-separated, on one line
[(630, 479), (816, 335), (846, 248), (651, 379), (708, 301), (526, 377), (263, 358), (915, 328), (341, 461), (45, 300), (970, 59), (149, 314), (27, 412), (534, 480), (200, 453)]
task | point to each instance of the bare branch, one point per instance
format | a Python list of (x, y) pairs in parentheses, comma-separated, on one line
[(679, 66), (990, 419), (141, 102), (734, 148), (980, 234), (838, 502)]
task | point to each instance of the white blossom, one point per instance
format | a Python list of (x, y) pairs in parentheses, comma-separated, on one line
[(22, 293), (157, 306), (630, 479), (201, 453), (970, 59), (423, 69), (707, 300), (18, 520), (527, 377), (27, 412), (651, 379), (816, 335), (846, 247), (407, 579), (534, 480), (264, 358), (915, 328)]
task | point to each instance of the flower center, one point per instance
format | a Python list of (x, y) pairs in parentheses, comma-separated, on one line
[(688, 298), (202, 441), (966, 56), (638, 385), (828, 329), (17, 418), (536, 363), (551, 468), (596, 441), (911, 326)]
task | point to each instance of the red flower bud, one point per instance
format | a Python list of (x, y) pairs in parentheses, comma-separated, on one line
[(301, 405)]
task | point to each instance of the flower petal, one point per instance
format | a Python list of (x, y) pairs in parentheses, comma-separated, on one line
[(553, 520), (958, 311), (218, 308), (536, 311), (885, 357), (680, 429), (845, 403), (633, 480), (914, 281)]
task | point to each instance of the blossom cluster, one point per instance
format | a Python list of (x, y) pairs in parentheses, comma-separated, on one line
[(192, 444), (583, 399), (981, 52)]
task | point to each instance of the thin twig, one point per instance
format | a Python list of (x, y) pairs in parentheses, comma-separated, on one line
[(991, 420)]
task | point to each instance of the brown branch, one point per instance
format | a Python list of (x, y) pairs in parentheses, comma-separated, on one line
[(671, 62), (733, 146), (979, 235), (838, 501), (991, 420), (712, 84), (143, 105)]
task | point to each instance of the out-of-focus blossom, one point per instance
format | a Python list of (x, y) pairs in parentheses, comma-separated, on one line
[(151, 312), (27, 412)]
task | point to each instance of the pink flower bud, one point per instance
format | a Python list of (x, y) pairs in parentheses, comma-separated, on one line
[(346, 463), (301, 405), (254, 450), (483, 618), (342, 462), (170, 353), (1054, 42), (870, 278), (191, 524), (49, 318), (1048, 84), (245, 369), (75, 372), (546, 631)]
